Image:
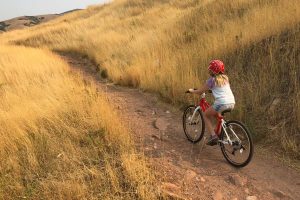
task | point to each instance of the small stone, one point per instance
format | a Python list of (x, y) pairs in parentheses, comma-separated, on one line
[(60, 155), (155, 136), (171, 195), (218, 196), (237, 180), (161, 124), (161, 137), (202, 179), (279, 194), (170, 191), (170, 187), (168, 112), (190, 175), (155, 146), (153, 112), (247, 191), (251, 198)]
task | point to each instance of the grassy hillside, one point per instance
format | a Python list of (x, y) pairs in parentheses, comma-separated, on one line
[(165, 45), (58, 139)]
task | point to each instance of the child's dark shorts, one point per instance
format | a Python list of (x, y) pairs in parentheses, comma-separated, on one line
[(221, 107)]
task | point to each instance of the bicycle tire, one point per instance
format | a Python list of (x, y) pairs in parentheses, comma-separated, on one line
[(202, 128), (250, 141)]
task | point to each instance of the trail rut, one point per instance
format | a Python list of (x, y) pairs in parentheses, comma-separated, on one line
[(185, 170)]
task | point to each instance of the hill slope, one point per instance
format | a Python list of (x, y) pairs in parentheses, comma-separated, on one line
[(29, 21), (25, 21)]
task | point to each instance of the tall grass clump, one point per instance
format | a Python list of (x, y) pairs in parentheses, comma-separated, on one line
[(164, 46), (60, 139)]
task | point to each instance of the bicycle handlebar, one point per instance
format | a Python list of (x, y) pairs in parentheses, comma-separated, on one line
[(187, 92)]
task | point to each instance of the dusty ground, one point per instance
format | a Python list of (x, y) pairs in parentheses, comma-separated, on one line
[(185, 170)]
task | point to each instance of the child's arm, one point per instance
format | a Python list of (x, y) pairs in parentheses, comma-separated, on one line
[(201, 90)]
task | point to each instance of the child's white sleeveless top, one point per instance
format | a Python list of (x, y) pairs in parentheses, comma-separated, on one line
[(223, 95)]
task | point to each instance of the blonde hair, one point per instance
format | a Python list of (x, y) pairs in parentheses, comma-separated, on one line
[(221, 79)]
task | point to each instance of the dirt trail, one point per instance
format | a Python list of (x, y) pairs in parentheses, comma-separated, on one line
[(185, 170)]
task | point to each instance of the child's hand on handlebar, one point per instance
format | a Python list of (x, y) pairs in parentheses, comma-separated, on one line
[(190, 90)]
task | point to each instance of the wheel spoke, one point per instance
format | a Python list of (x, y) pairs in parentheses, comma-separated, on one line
[(227, 149), (242, 147)]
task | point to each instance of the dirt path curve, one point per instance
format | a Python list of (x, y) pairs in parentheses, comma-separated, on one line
[(188, 171)]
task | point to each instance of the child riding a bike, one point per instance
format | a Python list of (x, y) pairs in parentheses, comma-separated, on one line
[(218, 83)]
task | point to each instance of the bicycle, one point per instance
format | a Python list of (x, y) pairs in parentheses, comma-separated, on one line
[(232, 134)]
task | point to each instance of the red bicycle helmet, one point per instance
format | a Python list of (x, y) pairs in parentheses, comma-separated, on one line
[(217, 67)]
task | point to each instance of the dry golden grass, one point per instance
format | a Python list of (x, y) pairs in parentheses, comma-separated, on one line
[(165, 45), (60, 139)]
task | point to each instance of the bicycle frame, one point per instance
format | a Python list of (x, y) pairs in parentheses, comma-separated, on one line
[(221, 123), (238, 152)]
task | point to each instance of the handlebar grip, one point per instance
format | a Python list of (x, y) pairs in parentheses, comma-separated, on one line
[(189, 91)]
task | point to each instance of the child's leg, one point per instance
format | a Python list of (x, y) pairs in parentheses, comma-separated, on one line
[(209, 115)]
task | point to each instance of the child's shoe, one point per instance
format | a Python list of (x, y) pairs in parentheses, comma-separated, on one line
[(213, 140)]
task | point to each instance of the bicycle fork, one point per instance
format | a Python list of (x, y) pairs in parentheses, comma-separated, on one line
[(195, 111)]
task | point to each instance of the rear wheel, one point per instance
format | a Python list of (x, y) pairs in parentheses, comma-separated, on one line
[(193, 129), (240, 153)]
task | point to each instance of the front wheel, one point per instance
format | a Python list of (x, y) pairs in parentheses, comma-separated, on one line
[(239, 153), (193, 128)]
